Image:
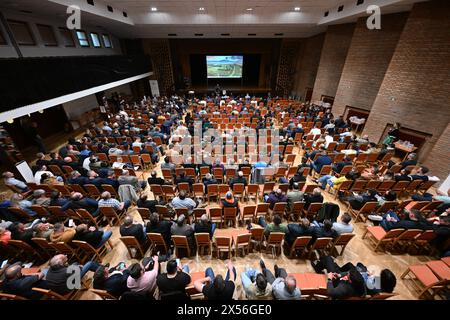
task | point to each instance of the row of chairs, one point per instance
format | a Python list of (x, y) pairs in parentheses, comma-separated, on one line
[(403, 239), (431, 278)]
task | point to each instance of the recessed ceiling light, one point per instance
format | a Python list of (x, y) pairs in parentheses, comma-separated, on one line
[(249, 9), (154, 9), (201, 9), (297, 8)]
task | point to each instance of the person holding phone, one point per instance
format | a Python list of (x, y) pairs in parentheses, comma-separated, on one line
[(142, 281)]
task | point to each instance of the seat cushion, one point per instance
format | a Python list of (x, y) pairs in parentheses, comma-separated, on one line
[(377, 232), (424, 274), (440, 269)]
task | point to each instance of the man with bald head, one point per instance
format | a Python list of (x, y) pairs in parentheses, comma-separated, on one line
[(284, 286), (131, 229), (238, 179), (18, 284), (59, 272)]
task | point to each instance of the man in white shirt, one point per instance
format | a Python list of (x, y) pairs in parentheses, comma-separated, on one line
[(315, 131), (328, 140), (40, 172)]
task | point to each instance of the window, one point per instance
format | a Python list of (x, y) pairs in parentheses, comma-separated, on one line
[(110, 9), (67, 37), (47, 35), (22, 33), (107, 41), (82, 38), (95, 40)]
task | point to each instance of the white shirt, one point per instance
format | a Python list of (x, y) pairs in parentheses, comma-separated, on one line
[(315, 131), (86, 163), (328, 139), (37, 176)]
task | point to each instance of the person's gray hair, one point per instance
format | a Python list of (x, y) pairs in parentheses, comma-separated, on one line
[(204, 218), (128, 221)]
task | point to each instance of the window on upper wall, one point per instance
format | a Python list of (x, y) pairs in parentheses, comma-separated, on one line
[(82, 38), (107, 41), (67, 37), (95, 40), (47, 35), (22, 33)]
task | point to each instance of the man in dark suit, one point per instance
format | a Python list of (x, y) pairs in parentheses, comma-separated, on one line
[(18, 284), (315, 197), (155, 180), (338, 166), (182, 178), (342, 282), (239, 179), (130, 229), (207, 180), (321, 161)]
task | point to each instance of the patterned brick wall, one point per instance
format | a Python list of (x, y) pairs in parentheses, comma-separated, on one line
[(439, 160), (290, 49), (159, 51), (416, 88), (334, 53), (308, 63), (367, 61)]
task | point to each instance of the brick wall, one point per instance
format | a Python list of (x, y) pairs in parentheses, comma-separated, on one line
[(439, 160), (334, 52), (308, 64), (367, 61), (416, 88)]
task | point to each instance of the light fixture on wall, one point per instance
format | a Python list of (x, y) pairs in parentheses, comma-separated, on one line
[(201, 9), (392, 98), (41, 111), (249, 9), (297, 8), (10, 121), (154, 9)]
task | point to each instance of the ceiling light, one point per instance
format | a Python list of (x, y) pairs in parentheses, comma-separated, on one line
[(249, 9), (154, 9), (201, 9), (297, 8)]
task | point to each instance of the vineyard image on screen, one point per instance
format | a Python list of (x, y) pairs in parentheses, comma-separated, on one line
[(225, 66)]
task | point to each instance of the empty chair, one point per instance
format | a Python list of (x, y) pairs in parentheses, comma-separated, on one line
[(367, 209), (320, 245), (215, 215), (89, 251), (111, 215), (243, 243), (406, 239), (299, 246), (342, 241), (131, 244), (248, 213), (157, 241), (181, 242), (203, 242), (92, 190), (274, 242), (229, 214), (223, 244), (380, 237), (425, 280)]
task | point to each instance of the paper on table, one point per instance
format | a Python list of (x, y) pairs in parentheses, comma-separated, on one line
[(445, 185)]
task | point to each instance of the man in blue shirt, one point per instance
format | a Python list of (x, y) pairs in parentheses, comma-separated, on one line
[(321, 161)]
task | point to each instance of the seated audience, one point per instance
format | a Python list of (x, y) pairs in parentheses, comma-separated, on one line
[(172, 284), (214, 287), (130, 229)]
